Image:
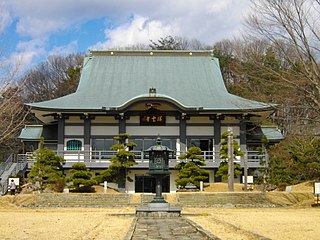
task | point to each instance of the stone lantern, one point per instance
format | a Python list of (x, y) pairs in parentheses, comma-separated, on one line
[(159, 156), (159, 166)]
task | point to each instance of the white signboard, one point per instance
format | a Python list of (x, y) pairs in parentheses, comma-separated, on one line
[(16, 181), (249, 179), (317, 188)]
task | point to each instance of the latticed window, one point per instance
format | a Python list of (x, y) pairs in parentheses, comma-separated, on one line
[(74, 145)]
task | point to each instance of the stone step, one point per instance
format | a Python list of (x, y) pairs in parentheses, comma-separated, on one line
[(81, 200), (176, 200), (202, 199), (146, 198)]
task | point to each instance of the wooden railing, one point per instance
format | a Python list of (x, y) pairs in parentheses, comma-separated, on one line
[(11, 167), (141, 156)]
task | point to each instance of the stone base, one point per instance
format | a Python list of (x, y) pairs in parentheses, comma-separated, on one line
[(158, 210)]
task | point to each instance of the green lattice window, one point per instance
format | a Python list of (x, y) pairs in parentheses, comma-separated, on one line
[(74, 145)]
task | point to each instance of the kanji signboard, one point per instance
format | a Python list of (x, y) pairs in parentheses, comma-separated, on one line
[(152, 119)]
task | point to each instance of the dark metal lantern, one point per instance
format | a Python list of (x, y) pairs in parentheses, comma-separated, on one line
[(159, 166), (159, 158)]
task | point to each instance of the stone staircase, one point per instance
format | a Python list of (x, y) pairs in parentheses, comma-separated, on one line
[(222, 199), (80, 200), (109, 200), (5, 176), (10, 168)]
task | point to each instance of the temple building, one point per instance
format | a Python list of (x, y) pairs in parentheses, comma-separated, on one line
[(177, 95)]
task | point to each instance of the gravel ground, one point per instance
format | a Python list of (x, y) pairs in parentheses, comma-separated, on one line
[(89, 223)]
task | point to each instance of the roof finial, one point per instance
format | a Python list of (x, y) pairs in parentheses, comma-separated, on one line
[(159, 141), (152, 92)]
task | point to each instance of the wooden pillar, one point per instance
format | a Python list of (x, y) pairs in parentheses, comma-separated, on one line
[(122, 123), (61, 124), (243, 148), (87, 136), (230, 161), (243, 135), (217, 137), (183, 132)]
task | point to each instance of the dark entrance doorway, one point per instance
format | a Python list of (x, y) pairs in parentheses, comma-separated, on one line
[(147, 184)]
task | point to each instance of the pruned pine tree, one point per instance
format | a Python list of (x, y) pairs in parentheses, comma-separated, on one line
[(81, 178), (190, 171), (121, 162), (47, 168)]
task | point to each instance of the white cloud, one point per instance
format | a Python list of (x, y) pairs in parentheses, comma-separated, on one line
[(133, 22), (139, 31), (218, 6), (5, 17), (201, 19), (65, 49), (37, 28), (206, 20), (25, 54)]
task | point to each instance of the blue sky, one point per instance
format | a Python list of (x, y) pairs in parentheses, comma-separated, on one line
[(31, 30)]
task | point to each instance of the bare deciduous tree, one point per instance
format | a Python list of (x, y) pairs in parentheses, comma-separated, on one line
[(292, 29), (56, 77), (13, 113)]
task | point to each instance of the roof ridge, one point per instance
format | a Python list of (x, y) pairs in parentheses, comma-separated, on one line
[(190, 53)]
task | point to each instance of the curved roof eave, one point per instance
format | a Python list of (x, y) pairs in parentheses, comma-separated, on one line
[(158, 97), (246, 105), (194, 80)]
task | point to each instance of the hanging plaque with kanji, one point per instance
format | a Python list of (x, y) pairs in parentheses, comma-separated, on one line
[(152, 119)]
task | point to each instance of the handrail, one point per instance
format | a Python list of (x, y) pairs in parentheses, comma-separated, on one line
[(19, 165), (6, 165), (140, 156)]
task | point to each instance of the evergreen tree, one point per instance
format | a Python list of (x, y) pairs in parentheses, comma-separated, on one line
[(190, 170), (167, 43), (123, 160), (223, 167), (47, 168), (294, 160), (81, 177)]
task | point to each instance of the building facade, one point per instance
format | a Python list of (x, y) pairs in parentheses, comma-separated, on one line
[(177, 95)]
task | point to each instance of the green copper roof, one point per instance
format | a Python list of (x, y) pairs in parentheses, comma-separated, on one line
[(35, 132), (272, 133), (111, 79), (31, 132)]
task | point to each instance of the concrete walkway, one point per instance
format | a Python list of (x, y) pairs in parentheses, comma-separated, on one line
[(167, 228)]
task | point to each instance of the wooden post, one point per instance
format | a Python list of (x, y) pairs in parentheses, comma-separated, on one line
[(230, 161), (245, 171), (105, 186)]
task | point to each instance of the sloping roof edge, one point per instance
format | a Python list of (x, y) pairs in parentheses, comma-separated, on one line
[(196, 82)]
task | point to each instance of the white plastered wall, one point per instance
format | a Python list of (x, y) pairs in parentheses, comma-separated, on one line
[(200, 120), (73, 130), (104, 119), (74, 119), (153, 131), (104, 130), (200, 130)]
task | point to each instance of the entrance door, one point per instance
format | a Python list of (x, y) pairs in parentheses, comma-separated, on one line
[(147, 184)]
